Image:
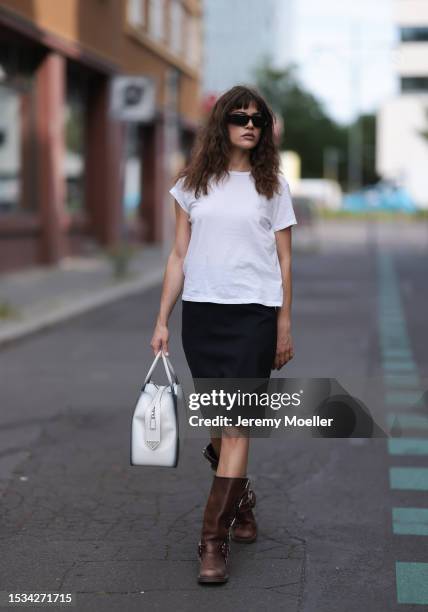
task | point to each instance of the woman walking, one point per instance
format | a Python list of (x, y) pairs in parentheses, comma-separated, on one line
[(232, 251)]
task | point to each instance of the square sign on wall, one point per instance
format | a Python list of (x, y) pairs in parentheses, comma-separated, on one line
[(133, 98)]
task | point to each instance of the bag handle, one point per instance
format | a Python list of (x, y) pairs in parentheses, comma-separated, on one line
[(172, 369), (167, 366)]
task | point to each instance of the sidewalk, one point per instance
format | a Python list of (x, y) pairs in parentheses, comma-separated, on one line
[(44, 295)]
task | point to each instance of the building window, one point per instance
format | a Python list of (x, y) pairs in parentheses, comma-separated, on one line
[(185, 35), (193, 49), (75, 121), (157, 19), (10, 149), (176, 30), (136, 13), (18, 130), (414, 34), (414, 84), (133, 173)]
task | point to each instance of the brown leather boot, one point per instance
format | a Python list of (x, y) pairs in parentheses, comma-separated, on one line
[(220, 512), (210, 454), (245, 527)]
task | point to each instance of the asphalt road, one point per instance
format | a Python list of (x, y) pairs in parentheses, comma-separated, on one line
[(76, 517)]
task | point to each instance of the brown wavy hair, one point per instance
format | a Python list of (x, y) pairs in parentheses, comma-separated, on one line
[(210, 154)]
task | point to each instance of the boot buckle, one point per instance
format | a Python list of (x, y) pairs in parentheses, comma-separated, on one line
[(224, 548), (251, 498)]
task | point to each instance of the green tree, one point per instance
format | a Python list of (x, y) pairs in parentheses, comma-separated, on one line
[(367, 126), (308, 129)]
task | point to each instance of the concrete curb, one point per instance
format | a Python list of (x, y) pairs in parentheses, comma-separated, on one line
[(16, 331)]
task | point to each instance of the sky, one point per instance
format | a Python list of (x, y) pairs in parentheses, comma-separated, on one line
[(345, 49)]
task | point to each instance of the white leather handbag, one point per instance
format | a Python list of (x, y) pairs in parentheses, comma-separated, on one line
[(154, 430)]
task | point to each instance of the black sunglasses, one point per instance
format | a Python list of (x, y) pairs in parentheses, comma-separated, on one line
[(243, 119)]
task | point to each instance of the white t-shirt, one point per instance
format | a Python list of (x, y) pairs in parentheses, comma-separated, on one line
[(232, 256)]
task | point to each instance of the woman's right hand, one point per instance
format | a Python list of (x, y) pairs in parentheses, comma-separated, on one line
[(160, 339)]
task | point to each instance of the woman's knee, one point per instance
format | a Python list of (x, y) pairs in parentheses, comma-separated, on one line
[(234, 438)]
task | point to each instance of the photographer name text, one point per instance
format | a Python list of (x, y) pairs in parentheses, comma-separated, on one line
[(286, 421)]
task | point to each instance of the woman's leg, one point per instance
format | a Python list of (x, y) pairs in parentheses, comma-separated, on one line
[(233, 464), (234, 453)]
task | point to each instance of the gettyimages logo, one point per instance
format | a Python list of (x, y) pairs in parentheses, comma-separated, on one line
[(228, 401), (321, 407)]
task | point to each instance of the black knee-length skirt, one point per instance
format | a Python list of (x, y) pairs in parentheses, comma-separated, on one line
[(229, 340)]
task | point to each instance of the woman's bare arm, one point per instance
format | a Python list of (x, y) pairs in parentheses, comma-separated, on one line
[(285, 350), (173, 279)]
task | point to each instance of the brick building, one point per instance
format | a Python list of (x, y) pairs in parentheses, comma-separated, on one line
[(61, 170)]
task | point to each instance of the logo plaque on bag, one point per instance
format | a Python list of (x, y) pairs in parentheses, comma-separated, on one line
[(154, 429), (153, 421)]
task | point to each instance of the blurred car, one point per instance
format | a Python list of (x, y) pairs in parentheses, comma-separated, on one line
[(384, 195)]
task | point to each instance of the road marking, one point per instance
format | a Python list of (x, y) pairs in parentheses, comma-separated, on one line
[(399, 366), (408, 446), (412, 582), (409, 478), (397, 352), (407, 420), (402, 380), (403, 388), (410, 521), (404, 397)]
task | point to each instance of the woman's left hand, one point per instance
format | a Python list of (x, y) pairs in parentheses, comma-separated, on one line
[(284, 345)]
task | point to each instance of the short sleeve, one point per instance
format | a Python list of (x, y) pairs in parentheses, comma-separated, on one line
[(180, 194), (283, 214)]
